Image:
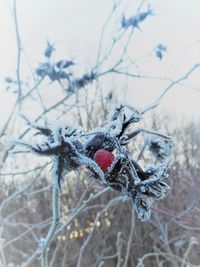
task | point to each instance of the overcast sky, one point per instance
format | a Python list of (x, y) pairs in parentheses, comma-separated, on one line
[(74, 25)]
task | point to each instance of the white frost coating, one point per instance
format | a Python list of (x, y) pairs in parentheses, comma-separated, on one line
[(29, 122), (114, 128), (115, 112), (158, 175), (20, 142), (142, 208), (143, 189), (136, 177), (54, 173), (81, 159), (62, 131), (31, 148)]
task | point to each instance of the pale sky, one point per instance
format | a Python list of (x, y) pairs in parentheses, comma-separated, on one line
[(75, 25)]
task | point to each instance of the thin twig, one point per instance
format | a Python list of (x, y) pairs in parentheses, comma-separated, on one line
[(55, 222), (130, 239), (19, 49)]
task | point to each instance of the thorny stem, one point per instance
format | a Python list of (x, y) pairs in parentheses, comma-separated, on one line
[(55, 222)]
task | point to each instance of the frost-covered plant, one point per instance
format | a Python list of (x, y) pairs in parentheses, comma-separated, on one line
[(70, 148), (106, 155)]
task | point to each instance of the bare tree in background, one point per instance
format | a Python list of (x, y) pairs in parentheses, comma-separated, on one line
[(88, 223)]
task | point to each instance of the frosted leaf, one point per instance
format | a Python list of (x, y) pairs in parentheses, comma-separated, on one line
[(43, 69), (62, 64), (156, 190), (81, 82), (49, 50), (8, 79), (160, 51), (100, 140), (50, 70), (142, 208), (135, 21), (160, 147)]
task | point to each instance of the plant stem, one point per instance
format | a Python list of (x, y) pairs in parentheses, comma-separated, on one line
[(19, 50), (54, 225)]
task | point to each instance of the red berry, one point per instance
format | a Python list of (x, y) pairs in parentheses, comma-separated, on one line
[(104, 159)]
